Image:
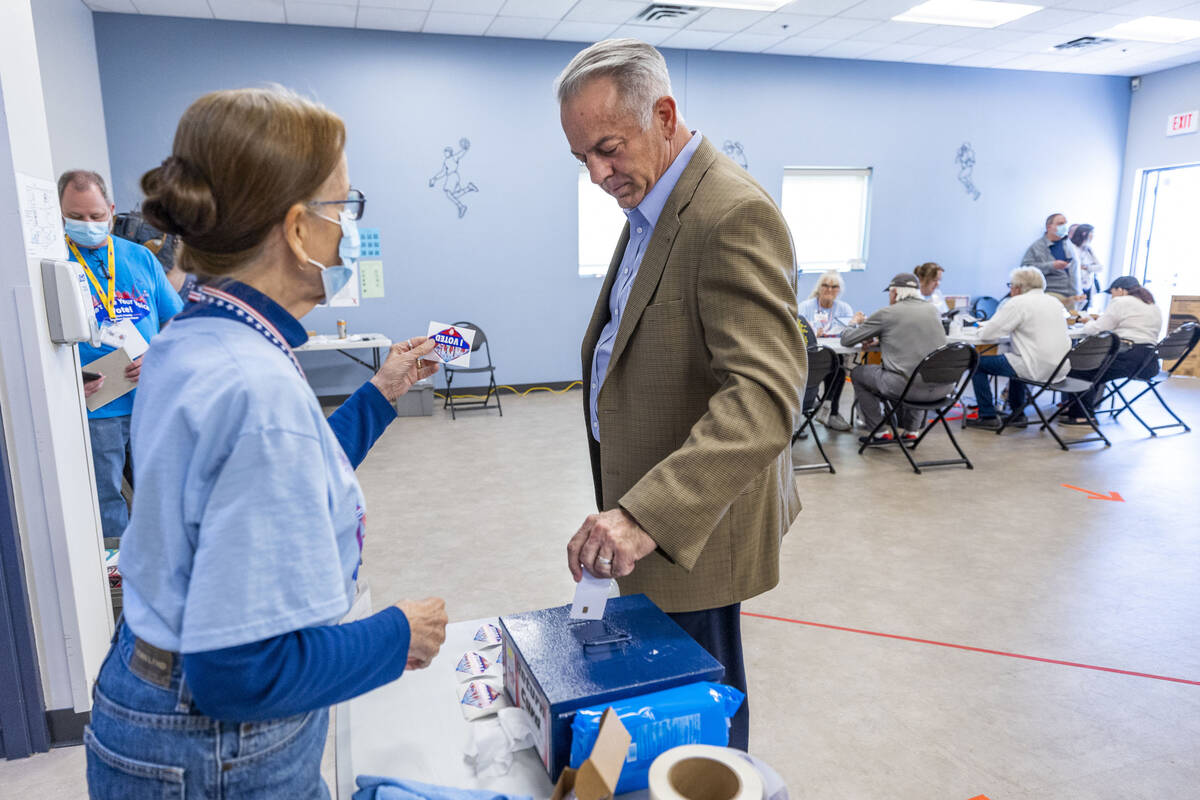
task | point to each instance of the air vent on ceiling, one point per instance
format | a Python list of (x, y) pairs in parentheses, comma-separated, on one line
[(666, 14), (1082, 43)]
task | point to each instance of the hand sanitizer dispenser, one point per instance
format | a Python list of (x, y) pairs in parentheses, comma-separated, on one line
[(68, 303)]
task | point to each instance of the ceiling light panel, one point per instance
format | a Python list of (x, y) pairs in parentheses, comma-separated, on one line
[(966, 13), (1163, 30)]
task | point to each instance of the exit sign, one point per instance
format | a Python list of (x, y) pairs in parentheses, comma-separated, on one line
[(1187, 122)]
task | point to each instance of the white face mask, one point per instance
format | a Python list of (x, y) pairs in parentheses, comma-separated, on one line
[(334, 278)]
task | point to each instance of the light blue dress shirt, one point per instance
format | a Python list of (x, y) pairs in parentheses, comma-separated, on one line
[(642, 220)]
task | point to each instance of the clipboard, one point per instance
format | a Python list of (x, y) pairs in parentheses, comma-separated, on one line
[(112, 367)]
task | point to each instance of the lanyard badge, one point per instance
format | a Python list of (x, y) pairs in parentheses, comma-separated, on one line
[(108, 298)]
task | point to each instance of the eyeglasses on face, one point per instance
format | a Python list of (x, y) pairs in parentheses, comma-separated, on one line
[(355, 203)]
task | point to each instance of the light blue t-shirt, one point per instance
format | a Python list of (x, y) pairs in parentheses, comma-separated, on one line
[(826, 321), (142, 295), (248, 520)]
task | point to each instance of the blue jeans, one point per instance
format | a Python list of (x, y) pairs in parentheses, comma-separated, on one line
[(996, 365), (148, 740), (110, 456)]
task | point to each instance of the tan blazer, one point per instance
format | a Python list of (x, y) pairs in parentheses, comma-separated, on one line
[(703, 391)]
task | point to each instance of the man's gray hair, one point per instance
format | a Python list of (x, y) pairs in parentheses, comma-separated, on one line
[(1027, 278), (638, 70), (81, 179), (906, 292)]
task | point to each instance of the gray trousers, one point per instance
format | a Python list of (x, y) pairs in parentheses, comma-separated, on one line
[(871, 382)]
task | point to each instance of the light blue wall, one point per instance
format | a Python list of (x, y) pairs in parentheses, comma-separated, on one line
[(1044, 143), (1147, 145)]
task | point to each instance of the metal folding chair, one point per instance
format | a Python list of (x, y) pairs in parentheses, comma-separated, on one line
[(480, 341), (952, 364), (984, 307), (1177, 346), (1089, 353), (822, 366)]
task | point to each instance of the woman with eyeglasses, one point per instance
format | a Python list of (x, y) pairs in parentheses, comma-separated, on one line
[(244, 544), (829, 316)]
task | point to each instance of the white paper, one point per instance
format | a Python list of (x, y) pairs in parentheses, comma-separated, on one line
[(132, 340), (591, 596), (453, 344), (41, 221)]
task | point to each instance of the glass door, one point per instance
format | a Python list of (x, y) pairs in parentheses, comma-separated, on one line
[(1166, 249)]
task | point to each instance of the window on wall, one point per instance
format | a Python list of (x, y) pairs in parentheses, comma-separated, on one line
[(600, 223), (827, 210)]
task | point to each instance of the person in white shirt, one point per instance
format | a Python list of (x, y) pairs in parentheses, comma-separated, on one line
[(1089, 266), (930, 276), (1133, 316), (829, 316), (1034, 320)]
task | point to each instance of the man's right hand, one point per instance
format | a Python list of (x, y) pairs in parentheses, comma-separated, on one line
[(426, 629), (1060, 264), (91, 387)]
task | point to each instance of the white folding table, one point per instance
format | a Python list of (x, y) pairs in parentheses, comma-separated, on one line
[(371, 341)]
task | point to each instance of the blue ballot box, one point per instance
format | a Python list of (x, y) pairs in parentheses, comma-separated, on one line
[(554, 665)]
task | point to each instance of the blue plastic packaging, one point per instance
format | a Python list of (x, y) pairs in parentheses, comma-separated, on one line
[(694, 714)]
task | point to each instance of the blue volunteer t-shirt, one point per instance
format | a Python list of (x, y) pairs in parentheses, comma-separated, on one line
[(143, 296)]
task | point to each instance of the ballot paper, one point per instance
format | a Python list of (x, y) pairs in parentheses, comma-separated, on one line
[(112, 367), (591, 596), (453, 343)]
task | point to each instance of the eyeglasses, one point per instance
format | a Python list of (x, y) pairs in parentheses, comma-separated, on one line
[(355, 203)]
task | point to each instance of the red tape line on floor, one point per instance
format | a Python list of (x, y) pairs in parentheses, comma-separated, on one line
[(973, 649)]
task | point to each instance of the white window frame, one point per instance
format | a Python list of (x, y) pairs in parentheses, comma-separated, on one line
[(599, 220), (854, 260)]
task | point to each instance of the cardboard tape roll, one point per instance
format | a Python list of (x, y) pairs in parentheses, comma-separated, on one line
[(704, 772)]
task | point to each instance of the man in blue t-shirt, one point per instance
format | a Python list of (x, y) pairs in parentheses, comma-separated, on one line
[(132, 300)]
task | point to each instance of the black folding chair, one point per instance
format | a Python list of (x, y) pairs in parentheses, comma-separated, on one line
[(953, 365), (1178, 345), (822, 365), (984, 307), (1089, 353), (480, 341)]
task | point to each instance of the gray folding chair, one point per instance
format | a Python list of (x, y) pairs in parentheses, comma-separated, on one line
[(480, 341), (822, 366)]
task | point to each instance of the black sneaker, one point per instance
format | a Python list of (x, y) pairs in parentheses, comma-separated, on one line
[(987, 423), (883, 438), (1016, 420)]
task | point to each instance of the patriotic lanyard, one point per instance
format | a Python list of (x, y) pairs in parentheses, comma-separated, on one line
[(223, 304), (110, 298)]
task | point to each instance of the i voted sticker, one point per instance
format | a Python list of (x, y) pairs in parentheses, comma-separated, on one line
[(479, 695), (452, 344), (488, 635), (473, 664)]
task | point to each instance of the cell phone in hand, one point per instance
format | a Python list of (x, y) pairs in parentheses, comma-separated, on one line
[(89, 376)]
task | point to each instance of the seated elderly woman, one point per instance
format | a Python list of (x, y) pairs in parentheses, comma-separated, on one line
[(1034, 321), (930, 276), (1133, 316), (828, 316)]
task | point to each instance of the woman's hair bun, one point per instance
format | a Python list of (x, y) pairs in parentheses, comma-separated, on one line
[(179, 199)]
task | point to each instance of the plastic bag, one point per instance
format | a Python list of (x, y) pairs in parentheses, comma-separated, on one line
[(694, 714)]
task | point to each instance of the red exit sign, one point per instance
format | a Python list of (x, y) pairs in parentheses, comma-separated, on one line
[(1187, 122)]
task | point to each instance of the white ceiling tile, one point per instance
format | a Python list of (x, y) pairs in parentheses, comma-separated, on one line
[(888, 32), (727, 19), (536, 9), (994, 40), (650, 34), (398, 5), (1034, 43), (1030, 61), (118, 6), (940, 35), (839, 28), (942, 55), (1044, 20), (520, 27), (1187, 12), (458, 24), (329, 15), (614, 11), (879, 9), (249, 10), (176, 8), (1092, 5), (695, 40), (1089, 24), (749, 42), (985, 58), (1148, 8), (820, 7), (784, 24), (847, 49), (896, 52), (800, 46), (487, 8), (390, 19), (581, 31)]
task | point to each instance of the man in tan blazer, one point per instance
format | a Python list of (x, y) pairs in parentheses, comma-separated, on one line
[(693, 362)]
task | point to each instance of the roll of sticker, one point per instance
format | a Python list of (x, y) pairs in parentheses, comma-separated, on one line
[(704, 772)]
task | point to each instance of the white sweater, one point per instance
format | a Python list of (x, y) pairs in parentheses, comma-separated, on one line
[(1129, 318), (1038, 329)]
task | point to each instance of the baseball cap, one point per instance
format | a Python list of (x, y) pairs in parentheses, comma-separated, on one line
[(904, 280), (1126, 282)]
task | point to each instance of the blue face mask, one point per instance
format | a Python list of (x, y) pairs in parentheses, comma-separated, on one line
[(1061, 230), (88, 234), (335, 278)]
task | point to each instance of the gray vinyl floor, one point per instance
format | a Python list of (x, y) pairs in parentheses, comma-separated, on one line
[(948, 635)]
